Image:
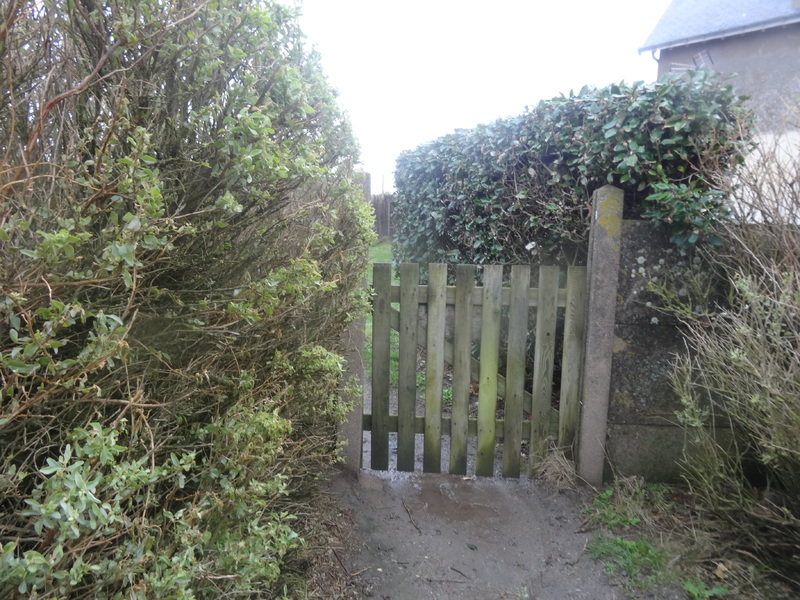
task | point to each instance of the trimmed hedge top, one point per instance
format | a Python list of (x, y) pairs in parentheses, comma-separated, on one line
[(519, 189)]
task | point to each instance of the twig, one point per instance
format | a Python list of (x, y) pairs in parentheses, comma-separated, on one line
[(350, 576), (459, 572), (430, 580), (585, 525), (49, 289), (410, 517), (346, 572), (79, 89)]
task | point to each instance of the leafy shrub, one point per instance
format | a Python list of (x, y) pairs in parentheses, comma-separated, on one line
[(520, 187), (182, 241), (741, 384)]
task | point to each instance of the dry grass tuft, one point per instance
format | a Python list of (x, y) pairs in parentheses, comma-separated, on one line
[(557, 472)]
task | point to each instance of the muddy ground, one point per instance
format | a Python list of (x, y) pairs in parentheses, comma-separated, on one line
[(434, 536)]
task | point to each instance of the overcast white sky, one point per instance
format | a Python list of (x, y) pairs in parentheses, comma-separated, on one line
[(410, 71)]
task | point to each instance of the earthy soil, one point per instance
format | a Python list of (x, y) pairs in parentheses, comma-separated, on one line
[(420, 536)]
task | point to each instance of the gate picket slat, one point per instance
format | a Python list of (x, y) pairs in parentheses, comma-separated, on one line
[(515, 368), (490, 345), (546, 314), (462, 346), (407, 367), (379, 444), (434, 368), (572, 361)]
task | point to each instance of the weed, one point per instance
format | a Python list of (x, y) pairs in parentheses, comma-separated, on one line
[(638, 560), (741, 372), (420, 382), (447, 396), (665, 516), (609, 513), (698, 590)]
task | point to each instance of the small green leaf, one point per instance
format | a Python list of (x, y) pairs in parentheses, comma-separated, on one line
[(18, 366)]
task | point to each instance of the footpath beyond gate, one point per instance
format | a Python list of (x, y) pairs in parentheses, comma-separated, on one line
[(528, 415)]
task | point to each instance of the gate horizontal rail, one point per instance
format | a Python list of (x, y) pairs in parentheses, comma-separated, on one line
[(419, 425)]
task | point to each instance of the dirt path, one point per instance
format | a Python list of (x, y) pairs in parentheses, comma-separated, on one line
[(423, 536), (420, 536)]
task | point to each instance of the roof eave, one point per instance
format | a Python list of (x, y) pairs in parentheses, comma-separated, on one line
[(782, 22)]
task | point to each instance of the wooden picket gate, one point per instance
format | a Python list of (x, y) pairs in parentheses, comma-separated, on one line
[(527, 415)]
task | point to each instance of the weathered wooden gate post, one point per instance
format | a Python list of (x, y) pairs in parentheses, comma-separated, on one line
[(602, 278), (353, 341), (350, 428)]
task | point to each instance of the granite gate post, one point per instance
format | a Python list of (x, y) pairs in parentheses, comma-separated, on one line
[(602, 278)]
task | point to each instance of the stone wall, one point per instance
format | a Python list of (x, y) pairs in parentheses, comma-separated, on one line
[(643, 437)]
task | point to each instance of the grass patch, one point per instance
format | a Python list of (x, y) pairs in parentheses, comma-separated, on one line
[(699, 591), (604, 511), (381, 252), (638, 561)]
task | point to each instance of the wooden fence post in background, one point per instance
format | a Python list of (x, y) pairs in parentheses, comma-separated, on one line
[(602, 278)]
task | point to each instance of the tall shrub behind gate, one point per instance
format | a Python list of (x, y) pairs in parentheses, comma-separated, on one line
[(740, 383), (519, 188), (181, 243)]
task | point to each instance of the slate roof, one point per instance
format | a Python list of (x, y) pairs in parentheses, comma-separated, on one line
[(691, 21)]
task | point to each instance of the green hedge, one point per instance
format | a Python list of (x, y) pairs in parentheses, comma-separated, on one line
[(519, 189), (182, 242)]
